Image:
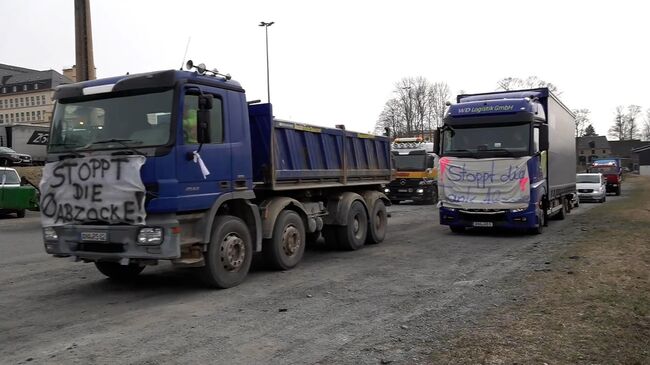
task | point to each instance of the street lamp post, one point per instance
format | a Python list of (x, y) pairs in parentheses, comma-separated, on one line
[(266, 30)]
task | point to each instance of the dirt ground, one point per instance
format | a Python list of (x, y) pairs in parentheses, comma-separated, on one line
[(577, 294), (590, 305), (32, 173)]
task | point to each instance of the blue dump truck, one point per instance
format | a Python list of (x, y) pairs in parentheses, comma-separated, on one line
[(177, 165), (507, 159)]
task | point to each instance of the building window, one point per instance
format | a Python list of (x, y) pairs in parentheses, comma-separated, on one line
[(43, 99), (4, 90), (35, 86), (22, 116), (582, 152), (25, 87), (13, 89), (33, 101), (604, 151), (38, 115), (33, 115), (22, 102), (11, 103), (593, 152)]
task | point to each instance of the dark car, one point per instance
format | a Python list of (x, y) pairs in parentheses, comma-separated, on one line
[(9, 157)]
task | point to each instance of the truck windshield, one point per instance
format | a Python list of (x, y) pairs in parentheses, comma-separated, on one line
[(9, 177), (604, 170), (128, 121), (495, 141), (410, 162), (588, 179)]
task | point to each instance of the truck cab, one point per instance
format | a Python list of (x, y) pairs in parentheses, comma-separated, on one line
[(415, 177), (505, 161)]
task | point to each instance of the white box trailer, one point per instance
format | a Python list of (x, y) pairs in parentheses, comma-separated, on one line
[(26, 138)]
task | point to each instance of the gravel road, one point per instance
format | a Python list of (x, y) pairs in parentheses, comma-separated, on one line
[(391, 303)]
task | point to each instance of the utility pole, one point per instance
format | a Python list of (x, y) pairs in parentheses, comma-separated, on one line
[(266, 29), (83, 41)]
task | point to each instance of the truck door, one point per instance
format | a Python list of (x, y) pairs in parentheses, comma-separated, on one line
[(201, 188)]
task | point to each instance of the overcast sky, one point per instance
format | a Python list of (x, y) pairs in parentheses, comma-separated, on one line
[(336, 62)]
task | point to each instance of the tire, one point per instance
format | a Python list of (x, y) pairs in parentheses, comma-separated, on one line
[(377, 223), (287, 246), (457, 229), (540, 223), (353, 235), (618, 190), (20, 213), (229, 253), (117, 272), (434, 195), (562, 213), (604, 199)]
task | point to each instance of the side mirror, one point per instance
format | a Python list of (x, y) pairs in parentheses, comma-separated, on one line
[(203, 119), (436, 142), (24, 181), (543, 137)]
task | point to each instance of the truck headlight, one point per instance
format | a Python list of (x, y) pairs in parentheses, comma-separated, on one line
[(49, 234), (150, 236), (419, 191), (518, 210), (387, 190)]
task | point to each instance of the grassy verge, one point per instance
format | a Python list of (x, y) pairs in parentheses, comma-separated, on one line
[(592, 308), (32, 173)]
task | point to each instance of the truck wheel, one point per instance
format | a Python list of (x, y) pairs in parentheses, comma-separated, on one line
[(457, 229), (20, 213), (287, 246), (618, 190), (118, 272), (229, 253), (434, 194), (377, 223), (562, 213), (353, 235), (541, 217)]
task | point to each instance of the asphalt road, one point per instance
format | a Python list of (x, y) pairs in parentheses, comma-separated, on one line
[(394, 302)]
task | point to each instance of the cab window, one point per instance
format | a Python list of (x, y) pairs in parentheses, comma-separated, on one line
[(190, 109)]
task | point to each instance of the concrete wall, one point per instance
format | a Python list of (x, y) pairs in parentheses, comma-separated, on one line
[(644, 170)]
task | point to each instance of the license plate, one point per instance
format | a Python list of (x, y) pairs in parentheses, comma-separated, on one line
[(402, 190), (482, 224), (94, 236)]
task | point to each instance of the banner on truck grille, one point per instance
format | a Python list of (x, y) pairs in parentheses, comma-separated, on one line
[(91, 189), (490, 183)]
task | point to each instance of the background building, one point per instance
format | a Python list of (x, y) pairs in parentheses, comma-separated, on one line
[(26, 94), (591, 148)]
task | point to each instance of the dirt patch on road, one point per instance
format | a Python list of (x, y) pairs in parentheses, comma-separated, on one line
[(32, 173), (591, 305)]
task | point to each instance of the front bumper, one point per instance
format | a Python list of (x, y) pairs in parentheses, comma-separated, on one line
[(595, 196), (415, 193), (504, 219), (121, 242)]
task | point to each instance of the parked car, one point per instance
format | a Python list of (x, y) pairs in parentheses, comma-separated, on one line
[(591, 187), (16, 194), (9, 157)]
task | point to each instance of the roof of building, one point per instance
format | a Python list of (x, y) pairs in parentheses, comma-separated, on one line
[(624, 148), (599, 142), (14, 75), (642, 148)]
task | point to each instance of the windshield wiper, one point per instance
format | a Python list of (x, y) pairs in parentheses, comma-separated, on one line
[(115, 140), (503, 150)]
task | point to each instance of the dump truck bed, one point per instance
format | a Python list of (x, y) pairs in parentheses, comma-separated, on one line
[(289, 155)]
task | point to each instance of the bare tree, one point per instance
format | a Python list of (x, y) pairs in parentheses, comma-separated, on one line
[(417, 108), (531, 82), (617, 130), (582, 120), (631, 125), (645, 130), (439, 95)]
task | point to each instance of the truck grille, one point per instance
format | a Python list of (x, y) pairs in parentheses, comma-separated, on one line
[(483, 215), (585, 190), (100, 247)]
